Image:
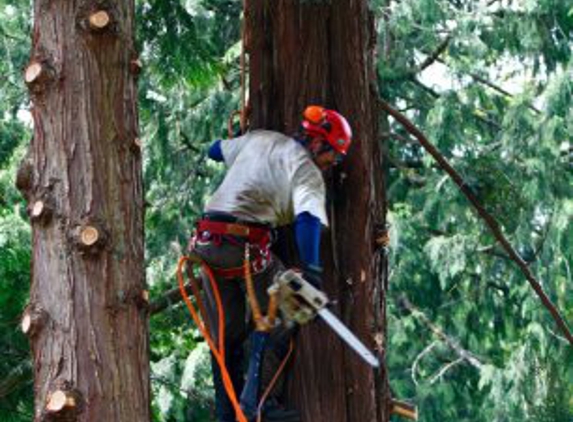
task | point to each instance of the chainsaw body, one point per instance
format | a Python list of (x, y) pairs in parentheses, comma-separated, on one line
[(299, 301)]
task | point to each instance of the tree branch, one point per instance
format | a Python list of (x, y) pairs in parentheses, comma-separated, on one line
[(491, 250), (491, 85), (445, 369), (434, 56), (17, 377), (475, 114), (5, 34), (424, 352), (452, 344), (490, 221), (169, 298), (430, 59), (399, 137)]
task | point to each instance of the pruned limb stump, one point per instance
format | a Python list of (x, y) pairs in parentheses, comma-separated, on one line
[(137, 145), (33, 72), (41, 210), (140, 297), (404, 409), (59, 400), (99, 20), (38, 75), (33, 320), (382, 235), (135, 66), (37, 209), (90, 236), (63, 405)]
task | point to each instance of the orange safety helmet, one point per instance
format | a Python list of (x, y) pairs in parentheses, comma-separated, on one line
[(328, 124)]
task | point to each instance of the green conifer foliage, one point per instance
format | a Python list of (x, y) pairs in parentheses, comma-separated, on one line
[(493, 98), (489, 82)]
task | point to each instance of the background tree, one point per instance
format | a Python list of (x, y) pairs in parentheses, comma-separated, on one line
[(86, 316)]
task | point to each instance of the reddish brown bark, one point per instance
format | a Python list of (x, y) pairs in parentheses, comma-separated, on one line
[(323, 52), (90, 351)]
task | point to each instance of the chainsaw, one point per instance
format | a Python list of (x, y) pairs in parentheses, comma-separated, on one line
[(300, 302)]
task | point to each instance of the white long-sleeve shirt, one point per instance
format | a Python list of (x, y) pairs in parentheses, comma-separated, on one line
[(271, 179)]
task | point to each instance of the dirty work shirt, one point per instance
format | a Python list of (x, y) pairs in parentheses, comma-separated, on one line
[(271, 179)]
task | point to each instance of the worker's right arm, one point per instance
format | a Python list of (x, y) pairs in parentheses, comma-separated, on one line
[(310, 215), (307, 229)]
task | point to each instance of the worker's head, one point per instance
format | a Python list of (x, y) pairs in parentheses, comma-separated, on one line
[(327, 135)]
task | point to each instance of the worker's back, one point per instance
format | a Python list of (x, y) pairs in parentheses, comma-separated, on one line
[(271, 178)]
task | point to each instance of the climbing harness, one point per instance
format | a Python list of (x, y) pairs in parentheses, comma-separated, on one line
[(257, 237), (246, 407)]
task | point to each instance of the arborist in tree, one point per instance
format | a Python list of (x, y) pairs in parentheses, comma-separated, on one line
[(272, 180)]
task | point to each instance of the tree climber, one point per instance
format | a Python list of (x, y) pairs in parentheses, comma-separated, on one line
[(272, 180)]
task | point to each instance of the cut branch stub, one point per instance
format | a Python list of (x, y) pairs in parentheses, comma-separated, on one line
[(33, 72), (33, 320), (59, 400), (137, 296), (99, 20), (382, 235), (142, 300), (38, 75), (135, 66), (37, 209), (137, 145), (404, 409), (63, 404), (90, 237), (41, 211)]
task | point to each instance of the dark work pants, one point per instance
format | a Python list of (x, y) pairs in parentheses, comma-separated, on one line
[(238, 320)]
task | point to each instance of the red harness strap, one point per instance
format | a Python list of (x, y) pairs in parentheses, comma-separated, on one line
[(259, 237), (255, 235)]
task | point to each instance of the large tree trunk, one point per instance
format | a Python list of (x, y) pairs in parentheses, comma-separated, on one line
[(300, 53), (87, 317)]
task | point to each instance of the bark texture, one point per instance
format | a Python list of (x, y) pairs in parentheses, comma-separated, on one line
[(91, 351), (322, 52)]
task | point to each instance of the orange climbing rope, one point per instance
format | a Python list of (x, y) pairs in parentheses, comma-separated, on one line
[(262, 323), (218, 353), (273, 381)]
